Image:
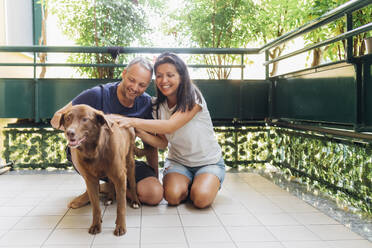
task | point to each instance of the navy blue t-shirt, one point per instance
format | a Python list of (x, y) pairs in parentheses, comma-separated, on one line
[(104, 98)]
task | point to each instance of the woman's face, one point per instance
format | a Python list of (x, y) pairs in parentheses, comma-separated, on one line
[(167, 79)]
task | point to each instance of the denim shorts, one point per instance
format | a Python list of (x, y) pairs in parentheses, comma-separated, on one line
[(217, 169)]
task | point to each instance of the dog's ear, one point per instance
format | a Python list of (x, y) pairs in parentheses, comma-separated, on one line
[(61, 121), (102, 120)]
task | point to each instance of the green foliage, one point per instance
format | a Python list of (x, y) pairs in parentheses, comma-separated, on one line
[(35, 148), (335, 51), (338, 167), (100, 23), (275, 18), (214, 24)]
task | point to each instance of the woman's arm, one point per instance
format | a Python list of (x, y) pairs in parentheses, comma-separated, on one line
[(176, 121), (55, 121), (159, 141)]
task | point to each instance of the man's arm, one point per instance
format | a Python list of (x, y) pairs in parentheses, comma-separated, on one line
[(57, 116)]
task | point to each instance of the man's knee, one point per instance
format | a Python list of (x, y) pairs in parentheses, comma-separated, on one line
[(150, 191)]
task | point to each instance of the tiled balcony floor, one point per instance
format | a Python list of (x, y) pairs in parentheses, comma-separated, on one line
[(249, 211)]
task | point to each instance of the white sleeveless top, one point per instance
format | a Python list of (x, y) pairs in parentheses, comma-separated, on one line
[(194, 144)]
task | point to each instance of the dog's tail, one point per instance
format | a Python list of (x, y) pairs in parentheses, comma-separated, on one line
[(140, 152)]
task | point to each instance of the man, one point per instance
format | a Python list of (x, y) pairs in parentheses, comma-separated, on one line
[(128, 98)]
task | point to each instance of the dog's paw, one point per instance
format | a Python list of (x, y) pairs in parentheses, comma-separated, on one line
[(120, 230), (135, 205), (108, 202), (78, 203), (73, 205), (94, 229)]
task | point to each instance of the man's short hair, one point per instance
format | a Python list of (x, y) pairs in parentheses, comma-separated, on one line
[(143, 62)]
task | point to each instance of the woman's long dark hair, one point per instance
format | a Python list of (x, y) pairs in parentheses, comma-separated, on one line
[(187, 90)]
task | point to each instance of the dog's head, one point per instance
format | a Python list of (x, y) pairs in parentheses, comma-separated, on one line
[(83, 123)]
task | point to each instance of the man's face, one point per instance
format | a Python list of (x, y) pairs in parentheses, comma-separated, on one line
[(135, 81)]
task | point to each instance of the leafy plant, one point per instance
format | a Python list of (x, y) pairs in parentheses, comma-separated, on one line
[(335, 51), (213, 24), (100, 23)]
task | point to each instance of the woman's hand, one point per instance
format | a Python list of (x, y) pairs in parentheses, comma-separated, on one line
[(122, 121)]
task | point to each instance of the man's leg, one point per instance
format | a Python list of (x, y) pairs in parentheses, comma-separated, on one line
[(149, 188)]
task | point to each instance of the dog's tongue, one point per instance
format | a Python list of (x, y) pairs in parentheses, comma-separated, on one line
[(75, 143)]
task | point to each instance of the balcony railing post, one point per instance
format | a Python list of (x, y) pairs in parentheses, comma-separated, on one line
[(349, 41), (267, 66), (242, 66)]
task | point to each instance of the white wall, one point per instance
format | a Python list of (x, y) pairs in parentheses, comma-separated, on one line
[(18, 22)]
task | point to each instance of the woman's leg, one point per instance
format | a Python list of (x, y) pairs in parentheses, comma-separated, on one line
[(175, 188), (204, 190), (207, 181)]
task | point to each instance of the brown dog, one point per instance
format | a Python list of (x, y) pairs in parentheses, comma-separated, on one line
[(99, 149)]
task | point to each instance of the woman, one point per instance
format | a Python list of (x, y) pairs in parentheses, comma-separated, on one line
[(183, 123)]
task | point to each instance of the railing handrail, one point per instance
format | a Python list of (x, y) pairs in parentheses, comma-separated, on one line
[(91, 49), (342, 36), (320, 21)]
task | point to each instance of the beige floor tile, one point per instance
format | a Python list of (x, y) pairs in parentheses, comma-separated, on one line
[(116, 246), (85, 210), (154, 235), (112, 210), (250, 234), (163, 209), (239, 220), (108, 221), (333, 232), (160, 220), (206, 234), (315, 218), (350, 244), (296, 207), (67, 237), (65, 246), (213, 245), (57, 200), (306, 244), (292, 233), (225, 199), (38, 222), (199, 220), (7, 223), (36, 194), (78, 221), (188, 208), (249, 211), (4, 200), (107, 237), (165, 245), (20, 201), (48, 210), (259, 245), (24, 237), (263, 206), (15, 211), (230, 209), (277, 219)]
